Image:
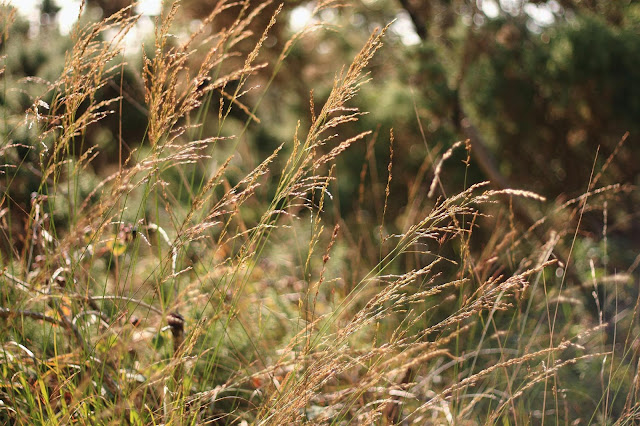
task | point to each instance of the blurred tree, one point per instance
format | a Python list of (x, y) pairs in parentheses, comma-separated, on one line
[(550, 92), (109, 7), (539, 99)]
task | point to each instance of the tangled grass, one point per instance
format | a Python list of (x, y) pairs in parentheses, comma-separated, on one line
[(122, 303)]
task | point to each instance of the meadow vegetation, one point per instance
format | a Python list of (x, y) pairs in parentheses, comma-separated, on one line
[(201, 274)]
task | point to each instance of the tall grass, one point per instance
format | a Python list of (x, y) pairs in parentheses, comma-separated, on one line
[(123, 303)]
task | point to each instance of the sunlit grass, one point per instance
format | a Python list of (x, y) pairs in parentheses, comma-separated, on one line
[(187, 287)]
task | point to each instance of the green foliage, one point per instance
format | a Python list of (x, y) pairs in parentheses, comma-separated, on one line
[(576, 90)]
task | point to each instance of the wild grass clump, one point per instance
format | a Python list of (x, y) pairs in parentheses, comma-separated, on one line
[(172, 291)]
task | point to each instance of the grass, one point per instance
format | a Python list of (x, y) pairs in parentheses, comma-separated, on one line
[(189, 288)]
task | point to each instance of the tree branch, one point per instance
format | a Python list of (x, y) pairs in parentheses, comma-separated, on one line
[(418, 23), (9, 313)]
